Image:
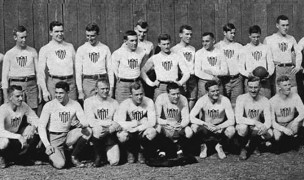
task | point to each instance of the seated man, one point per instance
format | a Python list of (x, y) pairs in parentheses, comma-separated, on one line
[(284, 106), (136, 116), (253, 117), (172, 113), (99, 110), (215, 108), (15, 138), (57, 118)]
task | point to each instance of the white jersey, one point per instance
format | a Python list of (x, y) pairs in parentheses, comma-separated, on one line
[(188, 52)]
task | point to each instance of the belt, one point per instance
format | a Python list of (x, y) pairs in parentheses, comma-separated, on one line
[(285, 64), (56, 133), (165, 82), (61, 77), (129, 80), (23, 79), (232, 76), (95, 76)]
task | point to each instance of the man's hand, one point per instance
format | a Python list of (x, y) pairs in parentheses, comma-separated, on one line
[(156, 83), (132, 130), (29, 132), (80, 95), (288, 132), (210, 127), (46, 96), (22, 141), (49, 150), (294, 70), (262, 130)]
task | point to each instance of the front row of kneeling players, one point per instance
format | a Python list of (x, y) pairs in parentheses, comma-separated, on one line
[(141, 127)]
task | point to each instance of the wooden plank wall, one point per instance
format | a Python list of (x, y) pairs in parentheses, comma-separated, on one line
[(164, 16)]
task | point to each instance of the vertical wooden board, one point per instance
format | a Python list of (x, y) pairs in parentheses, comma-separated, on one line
[(220, 18), (208, 14), (25, 9), (10, 22), (167, 13), (55, 10), (1, 28), (235, 17), (287, 9), (98, 15), (247, 13), (180, 15), (260, 14), (194, 20), (273, 11), (126, 19), (114, 38), (84, 17), (70, 22), (139, 10), (299, 21), (41, 30), (154, 20)]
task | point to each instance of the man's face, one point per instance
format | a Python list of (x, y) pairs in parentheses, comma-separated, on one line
[(91, 37), (285, 87), (137, 96), (20, 38), (214, 92), (141, 32), (16, 97), (255, 38), (254, 88), (208, 42), (186, 36), (57, 33), (229, 35), (174, 95), (61, 95), (165, 45), (132, 42), (283, 27), (103, 90)]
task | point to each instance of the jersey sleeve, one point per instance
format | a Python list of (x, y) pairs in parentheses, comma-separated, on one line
[(78, 68), (5, 70), (32, 118), (185, 113), (41, 69)]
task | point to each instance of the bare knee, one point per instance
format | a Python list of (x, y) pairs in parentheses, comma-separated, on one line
[(230, 131), (4, 143), (188, 132), (194, 127), (86, 133), (277, 134), (150, 133), (59, 163), (242, 129), (122, 136)]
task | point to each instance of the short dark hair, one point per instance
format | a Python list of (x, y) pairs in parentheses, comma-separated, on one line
[(143, 24), (18, 29), (129, 33), (63, 85), (209, 84), (12, 88), (103, 80), (172, 85), (187, 27), (281, 17), (55, 23), (93, 27), (253, 79), (208, 34), (255, 29), (228, 27), (282, 78), (135, 86), (163, 37)]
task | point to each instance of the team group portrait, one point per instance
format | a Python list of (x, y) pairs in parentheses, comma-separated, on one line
[(153, 89)]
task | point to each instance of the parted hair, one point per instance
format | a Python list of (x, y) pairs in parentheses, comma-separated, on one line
[(135, 86), (228, 27), (93, 27), (103, 80), (255, 29), (164, 37), (55, 23), (63, 85), (172, 85), (18, 29), (12, 88), (253, 79), (187, 27), (281, 17), (209, 84), (282, 78), (129, 33), (142, 23), (208, 34)]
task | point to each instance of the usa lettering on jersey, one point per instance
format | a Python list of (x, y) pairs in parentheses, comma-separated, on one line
[(253, 113), (102, 113), (285, 111), (188, 56), (133, 63), (212, 60), (167, 65), (257, 55), (60, 54), (172, 113), (94, 56), (283, 46), (64, 116), (22, 60), (214, 113), (15, 121), (137, 115), (229, 53)]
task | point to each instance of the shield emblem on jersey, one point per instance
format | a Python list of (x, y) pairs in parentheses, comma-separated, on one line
[(102, 113), (137, 115), (229, 53), (64, 116), (285, 112), (212, 60), (60, 54), (213, 113), (133, 63), (252, 113), (94, 56), (15, 121), (188, 56), (283, 46), (257, 55), (172, 113), (167, 65), (21, 60)]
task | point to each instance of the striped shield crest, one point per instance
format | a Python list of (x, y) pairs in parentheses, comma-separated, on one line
[(257, 55), (283, 46), (213, 113), (172, 113), (229, 53), (133, 63), (188, 56), (285, 112), (102, 113), (15, 121), (94, 56), (252, 113), (167, 65), (64, 116), (21, 60), (60, 54), (212, 60), (137, 115)]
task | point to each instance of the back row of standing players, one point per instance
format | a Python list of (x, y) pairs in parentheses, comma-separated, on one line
[(227, 63)]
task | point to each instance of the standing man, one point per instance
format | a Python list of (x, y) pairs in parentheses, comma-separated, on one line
[(256, 54), (14, 138), (58, 56), (1, 66), (253, 117), (233, 82), (141, 28), (136, 115), (99, 110), (187, 51), (217, 121), (93, 61), (56, 120), (210, 63), (20, 68), (283, 47), (166, 65), (126, 62)]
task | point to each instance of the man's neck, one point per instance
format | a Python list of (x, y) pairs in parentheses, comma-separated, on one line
[(56, 42), (95, 44), (213, 101), (20, 47), (281, 35), (227, 41), (101, 98), (183, 44), (210, 49), (254, 44), (283, 96), (65, 102), (166, 53), (13, 106)]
